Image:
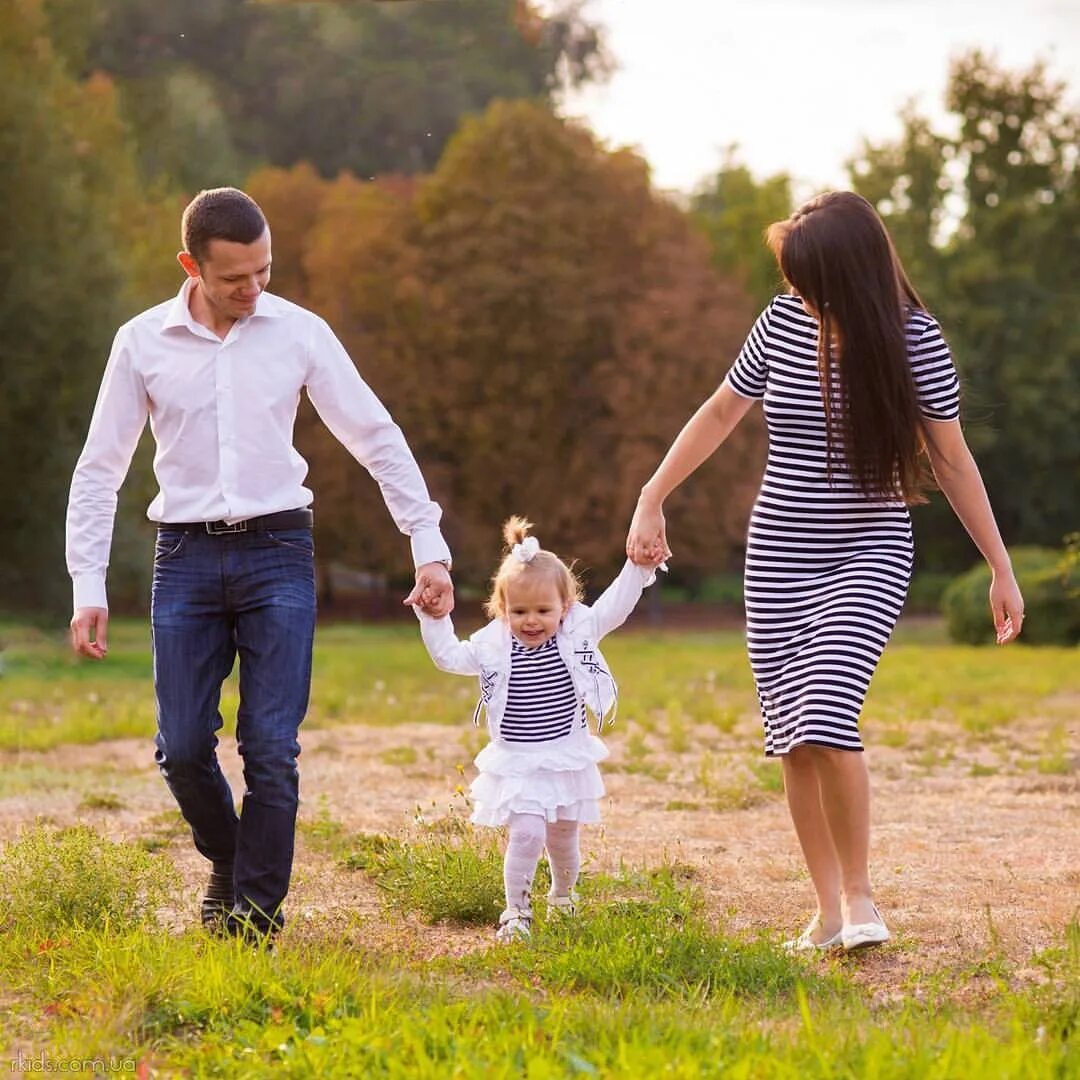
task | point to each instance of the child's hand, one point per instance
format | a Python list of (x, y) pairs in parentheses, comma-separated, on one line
[(646, 541), (433, 592)]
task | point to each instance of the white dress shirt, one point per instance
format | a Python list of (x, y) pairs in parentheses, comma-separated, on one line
[(222, 415)]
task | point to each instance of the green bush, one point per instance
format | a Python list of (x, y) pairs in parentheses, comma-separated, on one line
[(926, 590), (1051, 601), (74, 879)]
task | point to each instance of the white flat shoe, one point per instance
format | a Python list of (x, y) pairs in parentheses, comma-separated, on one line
[(515, 924), (806, 943), (563, 905), (862, 935)]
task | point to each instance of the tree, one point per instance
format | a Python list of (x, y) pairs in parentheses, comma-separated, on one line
[(734, 210), (71, 195), (215, 87), (580, 325), (539, 322), (1005, 282)]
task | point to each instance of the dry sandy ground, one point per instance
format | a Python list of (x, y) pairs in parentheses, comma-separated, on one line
[(967, 867)]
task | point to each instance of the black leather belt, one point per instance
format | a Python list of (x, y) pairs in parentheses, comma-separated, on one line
[(284, 519)]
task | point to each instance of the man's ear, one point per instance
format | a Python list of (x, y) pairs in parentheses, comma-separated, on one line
[(187, 261)]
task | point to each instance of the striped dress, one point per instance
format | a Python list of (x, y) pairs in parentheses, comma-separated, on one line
[(827, 567)]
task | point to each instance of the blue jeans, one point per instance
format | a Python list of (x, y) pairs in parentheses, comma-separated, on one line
[(215, 597)]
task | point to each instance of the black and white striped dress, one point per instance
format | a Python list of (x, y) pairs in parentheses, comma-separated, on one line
[(827, 567)]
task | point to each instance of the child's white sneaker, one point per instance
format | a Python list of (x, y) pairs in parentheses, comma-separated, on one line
[(563, 905), (515, 924)]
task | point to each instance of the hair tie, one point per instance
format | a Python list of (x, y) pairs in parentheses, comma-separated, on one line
[(526, 551)]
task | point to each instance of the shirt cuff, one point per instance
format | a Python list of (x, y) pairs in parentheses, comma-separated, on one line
[(89, 591), (428, 546)]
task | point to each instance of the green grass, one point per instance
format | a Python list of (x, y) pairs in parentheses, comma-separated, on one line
[(648, 981), (640, 985), (679, 686)]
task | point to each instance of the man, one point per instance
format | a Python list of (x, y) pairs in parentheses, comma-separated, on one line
[(218, 370)]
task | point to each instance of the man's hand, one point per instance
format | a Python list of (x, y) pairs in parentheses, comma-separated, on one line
[(433, 592), (89, 632)]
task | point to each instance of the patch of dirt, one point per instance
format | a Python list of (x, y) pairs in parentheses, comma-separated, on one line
[(967, 868)]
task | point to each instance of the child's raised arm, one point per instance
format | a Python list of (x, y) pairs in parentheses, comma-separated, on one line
[(448, 653), (618, 600)]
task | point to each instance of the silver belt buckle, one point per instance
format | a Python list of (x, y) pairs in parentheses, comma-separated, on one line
[(219, 528)]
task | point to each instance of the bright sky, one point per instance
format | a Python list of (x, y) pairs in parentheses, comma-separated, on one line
[(796, 83)]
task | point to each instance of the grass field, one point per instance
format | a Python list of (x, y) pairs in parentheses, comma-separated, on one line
[(388, 966)]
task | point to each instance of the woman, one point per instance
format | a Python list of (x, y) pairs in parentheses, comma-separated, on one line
[(829, 551)]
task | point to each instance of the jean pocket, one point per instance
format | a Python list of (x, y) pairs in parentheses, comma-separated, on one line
[(168, 545), (294, 539)]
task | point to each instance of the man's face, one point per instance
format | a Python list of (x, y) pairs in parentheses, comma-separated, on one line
[(232, 275)]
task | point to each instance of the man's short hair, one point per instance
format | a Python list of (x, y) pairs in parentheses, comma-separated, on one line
[(224, 213)]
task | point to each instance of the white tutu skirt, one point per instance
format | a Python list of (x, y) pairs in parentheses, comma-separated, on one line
[(558, 780)]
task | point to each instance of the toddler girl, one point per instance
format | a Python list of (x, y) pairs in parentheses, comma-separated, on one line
[(539, 668)]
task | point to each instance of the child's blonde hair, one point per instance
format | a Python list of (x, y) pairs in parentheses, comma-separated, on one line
[(544, 565)]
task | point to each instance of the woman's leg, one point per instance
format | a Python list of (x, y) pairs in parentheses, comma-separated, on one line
[(845, 802), (564, 855), (804, 798)]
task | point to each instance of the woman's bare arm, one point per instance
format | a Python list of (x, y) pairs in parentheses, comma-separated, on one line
[(959, 479)]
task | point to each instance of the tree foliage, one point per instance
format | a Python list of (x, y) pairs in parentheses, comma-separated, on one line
[(78, 235), (987, 221), (217, 87), (541, 324), (733, 209)]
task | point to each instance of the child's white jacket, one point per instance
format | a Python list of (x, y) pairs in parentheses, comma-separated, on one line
[(487, 652)]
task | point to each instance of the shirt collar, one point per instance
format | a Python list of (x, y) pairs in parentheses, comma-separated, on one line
[(267, 306)]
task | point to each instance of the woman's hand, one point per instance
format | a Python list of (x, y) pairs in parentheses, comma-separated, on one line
[(1006, 606), (646, 542)]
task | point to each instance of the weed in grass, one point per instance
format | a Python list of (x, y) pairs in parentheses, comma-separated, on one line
[(894, 735), (21, 779), (448, 871), (677, 735), (637, 753), (681, 804), (636, 748), (933, 757), (707, 709), (770, 776), (978, 769), (105, 800), (323, 833), (75, 879), (1055, 758), (473, 740), (986, 715), (399, 755)]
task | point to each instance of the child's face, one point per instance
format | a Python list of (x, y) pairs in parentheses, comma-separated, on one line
[(534, 610)]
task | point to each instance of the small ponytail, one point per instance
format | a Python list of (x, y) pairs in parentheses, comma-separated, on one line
[(516, 529), (537, 564)]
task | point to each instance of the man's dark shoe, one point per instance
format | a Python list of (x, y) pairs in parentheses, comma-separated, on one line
[(218, 901), (252, 928)]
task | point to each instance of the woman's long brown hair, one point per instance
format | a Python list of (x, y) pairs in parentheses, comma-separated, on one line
[(836, 253)]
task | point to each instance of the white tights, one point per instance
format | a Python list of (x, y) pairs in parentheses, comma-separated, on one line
[(528, 834)]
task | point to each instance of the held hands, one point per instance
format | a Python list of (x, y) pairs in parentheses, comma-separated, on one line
[(89, 632), (433, 592), (1006, 606), (646, 542)]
